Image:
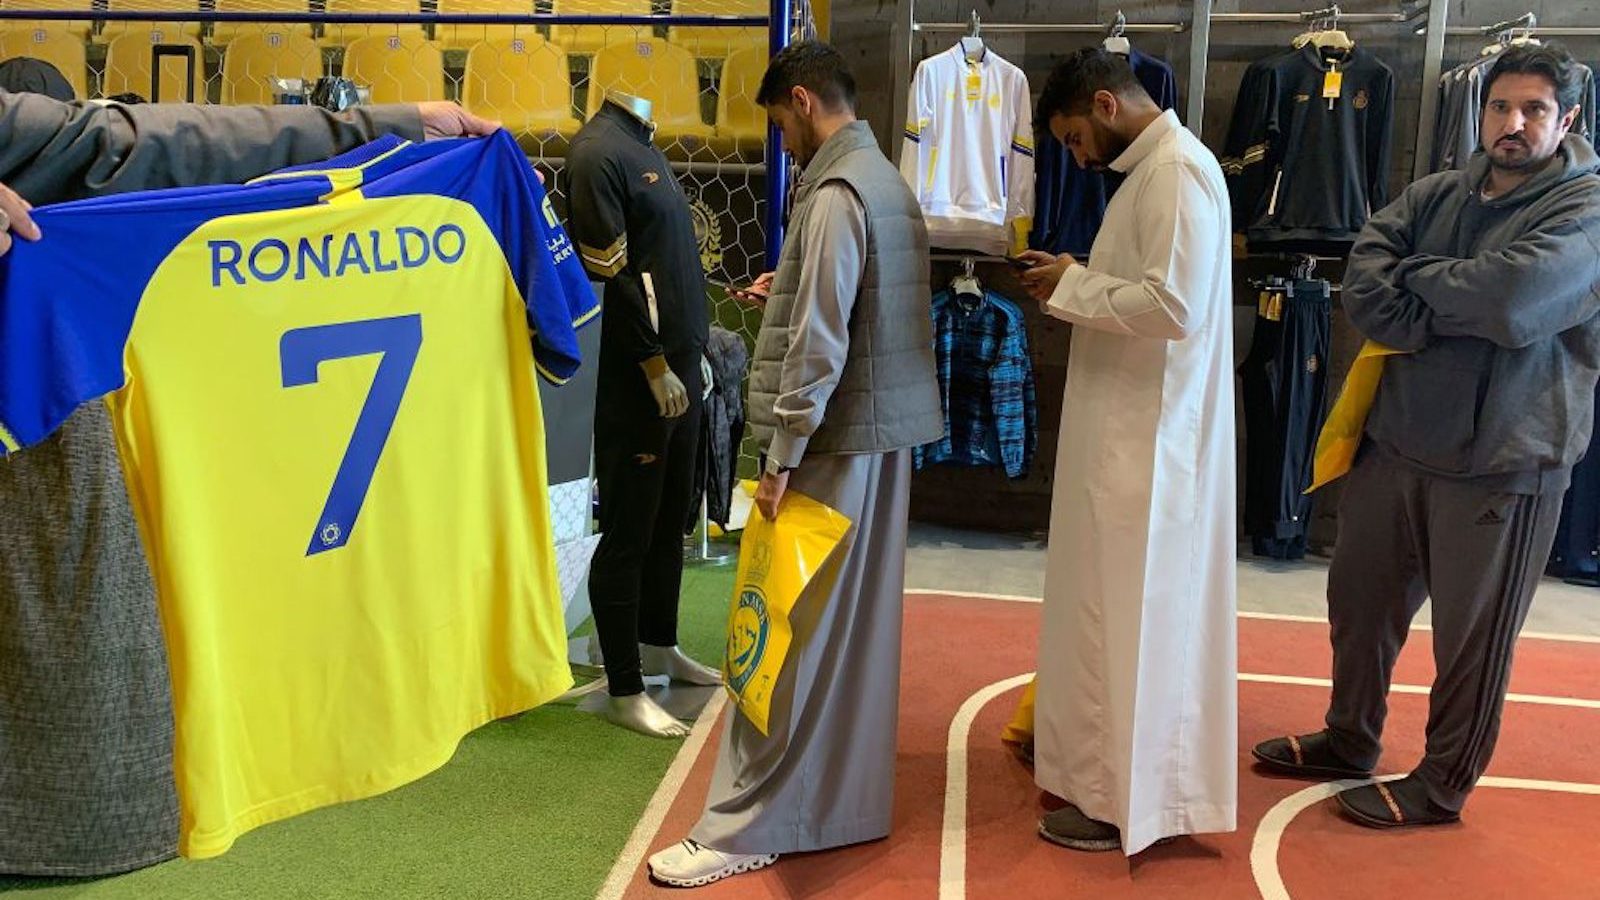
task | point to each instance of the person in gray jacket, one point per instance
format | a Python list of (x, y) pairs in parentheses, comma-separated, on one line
[(86, 728), (1488, 280)]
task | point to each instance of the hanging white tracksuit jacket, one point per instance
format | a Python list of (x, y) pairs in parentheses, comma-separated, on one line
[(968, 152)]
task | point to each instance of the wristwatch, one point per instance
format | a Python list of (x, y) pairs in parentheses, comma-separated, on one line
[(774, 469)]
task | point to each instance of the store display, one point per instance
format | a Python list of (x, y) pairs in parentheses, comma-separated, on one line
[(334, 603), (969, 146), (986, 378), (1307, 154), (1284, 382)]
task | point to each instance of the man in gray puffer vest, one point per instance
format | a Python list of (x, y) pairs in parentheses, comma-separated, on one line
[(1487, 281), (842, 387)]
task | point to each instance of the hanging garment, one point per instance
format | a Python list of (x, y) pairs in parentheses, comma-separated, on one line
[(1136, 710), (1285, 380), (968, 152), (1576, 556), (1458, 133), (1307, 155), (724, 424), (986, 378), (1070, 201)]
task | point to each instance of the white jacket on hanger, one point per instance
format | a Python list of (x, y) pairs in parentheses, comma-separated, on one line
[(969, 151)]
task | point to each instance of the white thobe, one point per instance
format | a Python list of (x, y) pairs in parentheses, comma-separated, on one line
[(1137, 710)]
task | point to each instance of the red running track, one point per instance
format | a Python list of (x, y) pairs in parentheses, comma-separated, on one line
[(1512, 843)]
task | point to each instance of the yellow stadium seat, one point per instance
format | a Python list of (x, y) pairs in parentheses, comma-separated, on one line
[(340, 35), (58, 48), (465, 36), (253, 60), (399, 68), (741, 124), (667, 76), (711, 42), (80, 27), (128, 61), (523, 84), (225, 32), (112, 29), (588, 39)]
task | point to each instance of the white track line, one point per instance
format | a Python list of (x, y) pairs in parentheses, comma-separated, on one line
[(953, 843), (1537, 699), (1260, 616), (644, 833), (1269, 834)]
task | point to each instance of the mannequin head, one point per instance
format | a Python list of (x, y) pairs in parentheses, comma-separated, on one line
[(1095, 106), (809, 94)]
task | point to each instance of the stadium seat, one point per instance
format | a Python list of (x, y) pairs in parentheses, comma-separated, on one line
[(80, 27), (587, 39), (112, 29), (741, 124), (523, 84), (710, 42), (128, 60), (667, 76), (465, 36), (399, 68), (341, 35), (61, 49), (225, 32), (253, 60)]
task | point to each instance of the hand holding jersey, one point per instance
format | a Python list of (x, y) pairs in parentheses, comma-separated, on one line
[(15, 217)]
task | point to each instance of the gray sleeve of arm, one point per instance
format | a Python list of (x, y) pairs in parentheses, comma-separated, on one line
[(52, 151), (819, 333), (1379, 306), (1536, 287)]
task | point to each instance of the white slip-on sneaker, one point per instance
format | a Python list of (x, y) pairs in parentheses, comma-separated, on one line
[(688, 864)]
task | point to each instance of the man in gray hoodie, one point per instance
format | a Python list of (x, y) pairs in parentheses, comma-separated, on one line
[(1488, 280)]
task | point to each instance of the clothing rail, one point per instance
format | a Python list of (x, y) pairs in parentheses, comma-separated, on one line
[(374, 18), (1296, 18), (1057, 27), (1536, 31)]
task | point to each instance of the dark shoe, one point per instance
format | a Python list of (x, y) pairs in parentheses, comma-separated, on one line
[(1307, 756), (1402, 803), (1069, 827)]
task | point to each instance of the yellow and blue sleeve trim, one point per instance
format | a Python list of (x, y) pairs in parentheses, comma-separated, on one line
[(1023, 147), (913, 134), (8, 442)]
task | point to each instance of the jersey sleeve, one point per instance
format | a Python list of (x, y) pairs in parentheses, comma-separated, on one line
[(919, 154), (68, 301), (1020, 184)]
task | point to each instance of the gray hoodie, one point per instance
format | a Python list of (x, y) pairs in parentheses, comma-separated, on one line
[(1498, 299)]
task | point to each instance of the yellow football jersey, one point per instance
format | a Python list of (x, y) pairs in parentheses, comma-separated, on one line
[(323, 388)]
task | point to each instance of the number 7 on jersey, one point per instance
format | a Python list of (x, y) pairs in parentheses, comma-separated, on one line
[(302, 351)]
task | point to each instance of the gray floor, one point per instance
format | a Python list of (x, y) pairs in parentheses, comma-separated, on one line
[(946, 559)]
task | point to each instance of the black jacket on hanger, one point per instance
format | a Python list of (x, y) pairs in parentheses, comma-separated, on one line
[(1305, 172)]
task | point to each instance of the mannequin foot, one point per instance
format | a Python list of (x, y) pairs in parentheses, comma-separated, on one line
[(637, 712), (675, 664)]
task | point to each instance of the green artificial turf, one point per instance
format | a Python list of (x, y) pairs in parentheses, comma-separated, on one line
[(535, 806)]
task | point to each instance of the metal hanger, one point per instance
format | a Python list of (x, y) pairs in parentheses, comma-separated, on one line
[(972, 42)]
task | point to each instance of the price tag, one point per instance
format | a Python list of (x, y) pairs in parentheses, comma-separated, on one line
[(1332, 84), (974, 85)]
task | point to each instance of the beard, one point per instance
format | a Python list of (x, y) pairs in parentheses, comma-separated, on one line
[(1108, 146), (1513, 154)]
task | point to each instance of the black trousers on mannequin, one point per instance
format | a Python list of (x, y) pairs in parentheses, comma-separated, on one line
[(645, 467)]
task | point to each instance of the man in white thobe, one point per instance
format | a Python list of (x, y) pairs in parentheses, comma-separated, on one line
[(1136, 721)]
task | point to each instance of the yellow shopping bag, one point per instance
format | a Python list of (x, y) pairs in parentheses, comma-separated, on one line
[(1341, 434), (777, 561), (1020, 729)]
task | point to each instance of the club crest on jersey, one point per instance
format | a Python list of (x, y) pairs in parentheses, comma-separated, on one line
[(1361, 100), (335, 255), (747, 637)]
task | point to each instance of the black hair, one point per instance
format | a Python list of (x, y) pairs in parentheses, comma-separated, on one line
[(1551, 61), (1070, 89), (813, 65)]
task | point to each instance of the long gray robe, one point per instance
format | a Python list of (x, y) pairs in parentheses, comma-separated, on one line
[(86, 730), (824, 776)]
